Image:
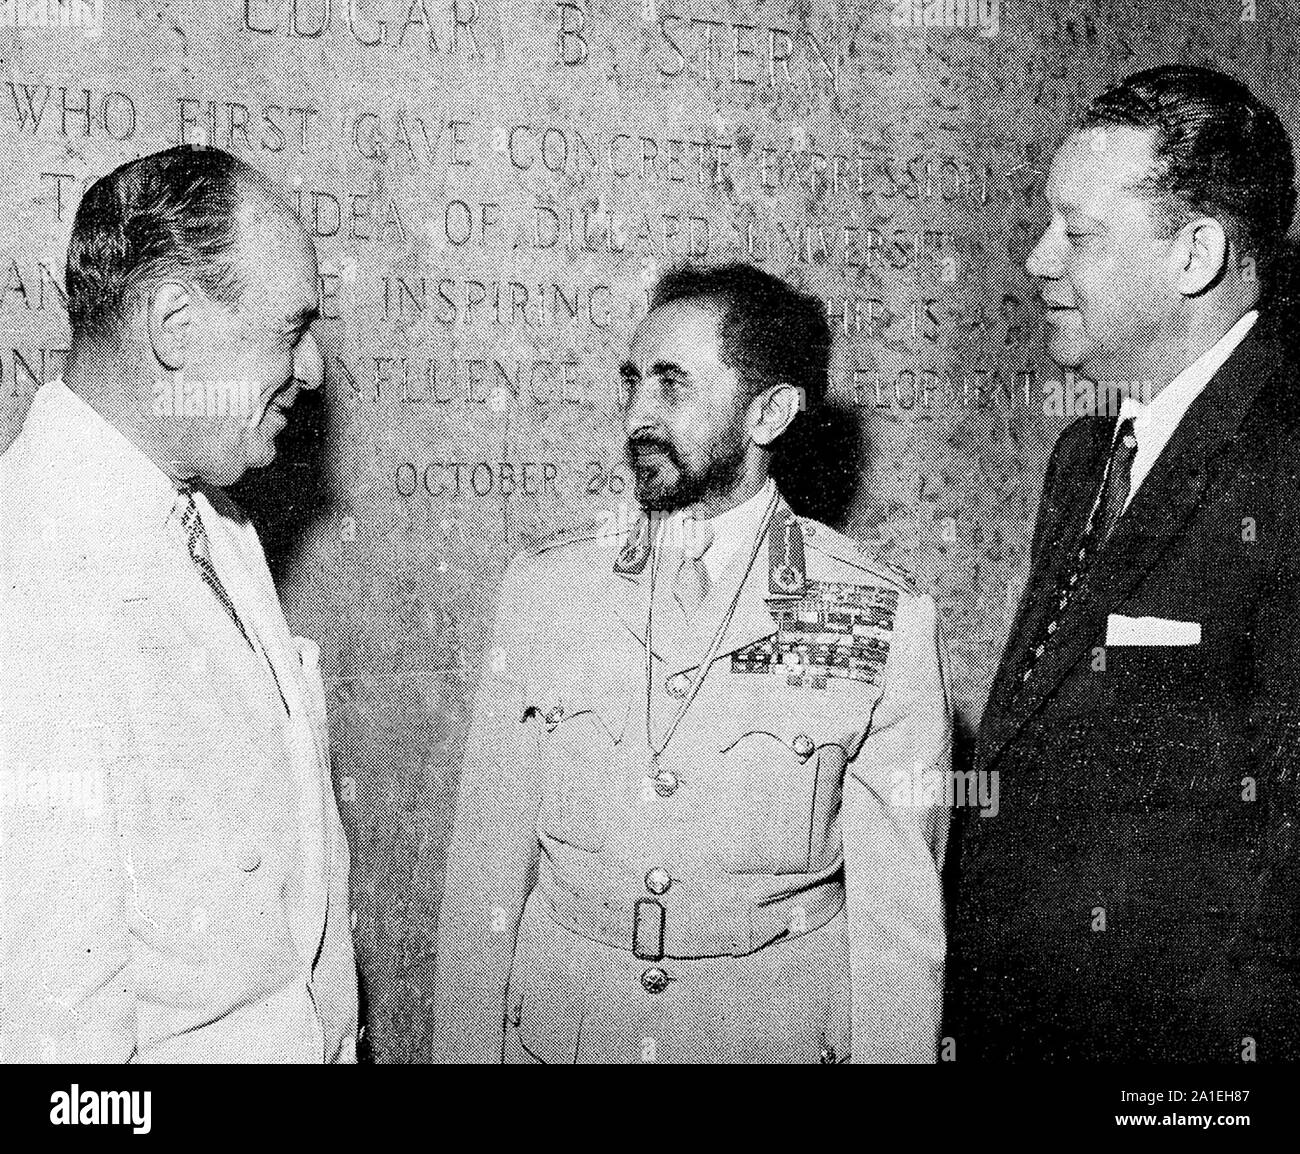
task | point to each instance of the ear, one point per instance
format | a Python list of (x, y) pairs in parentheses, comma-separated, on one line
[(1201, 255), (771, 412), (169, 324)]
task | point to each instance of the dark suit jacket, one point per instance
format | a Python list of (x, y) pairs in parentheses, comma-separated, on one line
[(1150, 790)]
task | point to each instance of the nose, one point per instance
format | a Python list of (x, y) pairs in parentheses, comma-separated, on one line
[(641, 406), (308, 363), (1045, 260)]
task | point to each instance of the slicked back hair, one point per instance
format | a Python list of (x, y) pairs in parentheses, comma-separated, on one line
[(768, 331), (174, 213), (1219, 152)]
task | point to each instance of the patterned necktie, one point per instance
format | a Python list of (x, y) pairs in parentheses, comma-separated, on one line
[(1106, 512), (196, 538), (1119, 476), (692, 583)]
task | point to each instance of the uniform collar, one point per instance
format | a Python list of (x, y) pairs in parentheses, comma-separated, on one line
[(628, 585), (734, 528)]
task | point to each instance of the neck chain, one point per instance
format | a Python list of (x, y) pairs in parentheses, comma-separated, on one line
[(703, 670)]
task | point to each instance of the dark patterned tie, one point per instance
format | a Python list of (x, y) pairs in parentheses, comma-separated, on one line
[(196, 537), (1119, 477), (1114, 494)]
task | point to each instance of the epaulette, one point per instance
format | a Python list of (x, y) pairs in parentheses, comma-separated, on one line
[(850, 551), (591, 531)]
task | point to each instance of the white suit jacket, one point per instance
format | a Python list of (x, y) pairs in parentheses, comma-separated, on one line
[(173, 874)]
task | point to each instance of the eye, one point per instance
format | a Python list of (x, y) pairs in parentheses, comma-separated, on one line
[(1075, 237)]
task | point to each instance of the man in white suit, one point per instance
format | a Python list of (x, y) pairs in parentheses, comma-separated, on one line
[(173, 874)]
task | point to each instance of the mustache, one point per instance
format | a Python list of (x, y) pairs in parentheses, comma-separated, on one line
[(648, 442)]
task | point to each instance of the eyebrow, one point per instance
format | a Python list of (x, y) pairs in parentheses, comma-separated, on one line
[(663, 368), (658, 369), (1068, 208), (302, 318)]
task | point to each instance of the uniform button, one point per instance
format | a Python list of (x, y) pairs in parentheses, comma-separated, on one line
[(678, 685), (666, 783), (247, 858), (655, 980), (657, 881), (803, 746)]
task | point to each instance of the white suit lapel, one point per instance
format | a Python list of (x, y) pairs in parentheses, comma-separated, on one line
[(259, 606)]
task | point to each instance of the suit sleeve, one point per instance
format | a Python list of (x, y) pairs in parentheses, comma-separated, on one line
[(894, 823), (1051, 505), (492, 852), (66, 982), (1263, 989)]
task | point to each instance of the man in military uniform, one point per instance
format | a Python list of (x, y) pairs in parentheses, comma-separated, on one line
[(686, 828)]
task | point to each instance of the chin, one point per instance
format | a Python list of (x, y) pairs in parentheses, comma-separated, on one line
[(258, 461), (654, 490), (654, 499), (260, 449), (1067, 354)]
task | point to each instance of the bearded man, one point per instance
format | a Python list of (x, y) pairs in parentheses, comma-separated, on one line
[(686, 828)]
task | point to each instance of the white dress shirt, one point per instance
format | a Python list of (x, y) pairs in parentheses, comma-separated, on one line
[(148, 499), (732, 529), (1154, 422)]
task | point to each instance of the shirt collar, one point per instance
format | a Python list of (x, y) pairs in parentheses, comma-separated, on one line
[(121, 479), (731, 523), (1166, 409), (735, 527)]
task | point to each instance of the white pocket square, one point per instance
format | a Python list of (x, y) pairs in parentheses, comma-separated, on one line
[(1121, 630)]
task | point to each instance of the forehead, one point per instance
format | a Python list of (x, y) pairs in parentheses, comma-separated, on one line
[(276, 257), (1094, 171), (684, 332)]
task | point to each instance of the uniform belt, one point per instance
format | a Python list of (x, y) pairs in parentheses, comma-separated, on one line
[(698, 920)]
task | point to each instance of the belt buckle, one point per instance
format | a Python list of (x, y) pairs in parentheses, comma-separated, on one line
[(648, 929)]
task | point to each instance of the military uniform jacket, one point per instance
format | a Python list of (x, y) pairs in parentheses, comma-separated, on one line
[(604, 909)]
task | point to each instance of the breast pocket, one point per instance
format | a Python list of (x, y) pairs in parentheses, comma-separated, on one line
[(781, 771), (1172, 676), (582, 751)]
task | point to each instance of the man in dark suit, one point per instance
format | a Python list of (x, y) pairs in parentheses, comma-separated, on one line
[(1135, 896)]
